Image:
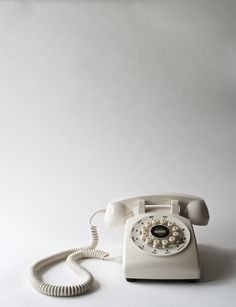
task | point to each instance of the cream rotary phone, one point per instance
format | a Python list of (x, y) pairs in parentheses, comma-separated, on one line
[(159, 242)]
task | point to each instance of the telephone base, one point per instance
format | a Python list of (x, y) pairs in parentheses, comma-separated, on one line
[(140, 264)]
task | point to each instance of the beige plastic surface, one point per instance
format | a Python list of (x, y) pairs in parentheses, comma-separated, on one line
[(191, 207)]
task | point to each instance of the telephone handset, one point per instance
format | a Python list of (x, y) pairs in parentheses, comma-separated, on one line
[(191, 207), (159, 242)]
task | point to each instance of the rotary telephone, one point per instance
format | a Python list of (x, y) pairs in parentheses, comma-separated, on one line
[(159, 242)]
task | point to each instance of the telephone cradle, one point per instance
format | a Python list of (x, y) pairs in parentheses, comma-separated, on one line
[(159, 242)]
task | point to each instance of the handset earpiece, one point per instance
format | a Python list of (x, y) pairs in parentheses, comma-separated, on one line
[(117, 214), (196, 210)]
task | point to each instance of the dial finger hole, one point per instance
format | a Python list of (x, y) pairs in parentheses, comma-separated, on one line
[(156, 243), (162, 221), (175, 233), (143, 236), (164, 242), (147, 224), (148, 240), (154, 222)]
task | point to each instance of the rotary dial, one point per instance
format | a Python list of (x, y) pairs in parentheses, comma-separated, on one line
[(160, 235)]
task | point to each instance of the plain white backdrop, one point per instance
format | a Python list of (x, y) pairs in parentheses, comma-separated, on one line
[(106, 99)]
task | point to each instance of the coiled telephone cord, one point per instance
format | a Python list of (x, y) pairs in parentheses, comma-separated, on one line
[(71, 256)]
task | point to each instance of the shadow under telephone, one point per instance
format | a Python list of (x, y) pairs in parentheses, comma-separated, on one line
[(159, 242)]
